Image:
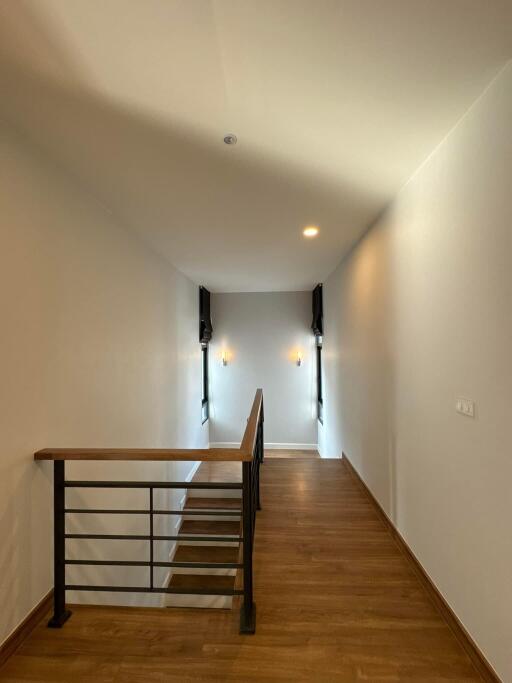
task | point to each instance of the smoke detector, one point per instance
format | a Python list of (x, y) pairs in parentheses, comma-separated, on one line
[(230, 139)]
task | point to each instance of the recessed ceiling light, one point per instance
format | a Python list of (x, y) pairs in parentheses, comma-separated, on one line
[(310, 231), (230, 139)]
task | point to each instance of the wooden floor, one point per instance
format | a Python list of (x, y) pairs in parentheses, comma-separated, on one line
[(336, 601), (232, 471), (282, 453), (219, 472)]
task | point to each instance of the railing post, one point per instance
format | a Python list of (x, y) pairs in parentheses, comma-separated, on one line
[(248, 611), (262, 420), (60, 613), (260, 448), (151, 539)]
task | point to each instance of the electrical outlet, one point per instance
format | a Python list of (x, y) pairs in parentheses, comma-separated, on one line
[(465, 406)]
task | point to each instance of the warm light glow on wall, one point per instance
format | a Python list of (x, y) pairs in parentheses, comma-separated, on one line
[(224, 356), (296, 356)]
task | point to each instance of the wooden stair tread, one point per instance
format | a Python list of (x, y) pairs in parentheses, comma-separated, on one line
[(206, 553), (197, 503), (210, 527), (204, 581)]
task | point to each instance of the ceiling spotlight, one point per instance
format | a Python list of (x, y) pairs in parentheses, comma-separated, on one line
[(230, 139), (310, 231)]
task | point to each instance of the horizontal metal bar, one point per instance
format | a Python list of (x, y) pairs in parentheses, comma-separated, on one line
[(110, 563), (112, 537), (143, 589), (139, 563), (221, 513), (201, 565), (70, 483), (204, 513), (93, 511), (141, 537), (190, 537)]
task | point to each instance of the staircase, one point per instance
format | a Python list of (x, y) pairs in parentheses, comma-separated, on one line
[(212, 518)]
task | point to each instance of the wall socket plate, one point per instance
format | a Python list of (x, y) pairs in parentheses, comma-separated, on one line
[(465, 406)]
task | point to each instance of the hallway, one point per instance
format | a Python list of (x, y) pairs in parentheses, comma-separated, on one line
[(336, 601)]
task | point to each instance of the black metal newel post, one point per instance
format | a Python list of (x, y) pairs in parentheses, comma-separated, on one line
[(151, 536), (60, 613), (262, 419), (260, 446), (248, 611)]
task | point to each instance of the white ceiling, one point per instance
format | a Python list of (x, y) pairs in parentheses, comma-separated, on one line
[(335, 104)]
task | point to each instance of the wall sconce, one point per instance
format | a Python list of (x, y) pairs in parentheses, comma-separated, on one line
[(299, 358), (224, 358)]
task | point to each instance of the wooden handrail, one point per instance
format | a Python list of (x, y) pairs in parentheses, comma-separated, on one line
[(156, 454), (251, 431), (244, 453)]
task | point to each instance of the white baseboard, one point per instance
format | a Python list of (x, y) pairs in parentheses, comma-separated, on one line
[(274, 446)]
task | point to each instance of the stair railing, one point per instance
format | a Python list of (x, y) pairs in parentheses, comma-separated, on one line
[(250, 454)]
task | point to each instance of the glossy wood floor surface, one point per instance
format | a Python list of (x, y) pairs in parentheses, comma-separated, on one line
[(336, 601), (289, 453), (232, 471)]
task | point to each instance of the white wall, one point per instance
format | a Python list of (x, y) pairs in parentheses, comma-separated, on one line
[(98, 347), (262, 332), (419, 314)]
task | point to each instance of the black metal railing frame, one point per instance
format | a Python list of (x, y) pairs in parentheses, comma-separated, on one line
[(250, 504)]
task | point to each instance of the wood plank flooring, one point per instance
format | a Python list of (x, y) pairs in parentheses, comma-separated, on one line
[(336, 602), (232, 471), (219, 472), (288, 453)]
